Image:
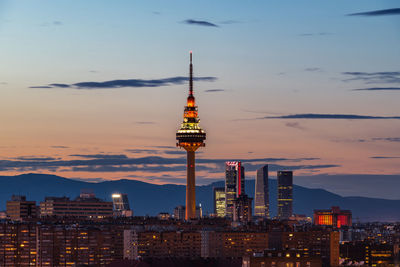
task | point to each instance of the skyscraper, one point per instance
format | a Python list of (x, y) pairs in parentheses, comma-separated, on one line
[(190, 136), (242, 211), (261, 203), (285, 194), (121, 205), (219, 201), (234, 184)]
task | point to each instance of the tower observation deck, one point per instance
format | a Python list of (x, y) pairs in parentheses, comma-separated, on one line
[(190, 137)]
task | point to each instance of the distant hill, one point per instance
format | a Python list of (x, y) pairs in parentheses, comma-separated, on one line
[(150, 199)]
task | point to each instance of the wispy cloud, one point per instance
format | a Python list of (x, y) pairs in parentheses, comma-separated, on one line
[(381, 12), (388, 139), (100, 156), (214, 90), (230, 22), (374, 77), (315, 34), (126, 83), (200, 23), (313, 69), (378, 89), (150, 164), (295, 125), (331, 116), (383, 157)]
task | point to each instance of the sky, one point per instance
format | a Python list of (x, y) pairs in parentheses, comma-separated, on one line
[(95, 89)]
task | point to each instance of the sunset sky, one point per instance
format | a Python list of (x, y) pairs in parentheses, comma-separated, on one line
[(95, 89)]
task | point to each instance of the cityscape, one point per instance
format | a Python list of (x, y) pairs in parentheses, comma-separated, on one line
[(93, 174)]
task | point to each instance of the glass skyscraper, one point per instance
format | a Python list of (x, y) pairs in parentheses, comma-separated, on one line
[(285, 194), (261, 203), (234, 184)]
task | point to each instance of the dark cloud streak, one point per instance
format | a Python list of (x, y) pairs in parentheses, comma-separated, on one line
[(382, 12), (200, 23)]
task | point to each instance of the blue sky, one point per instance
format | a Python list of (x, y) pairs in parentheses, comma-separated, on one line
[(269, 59)]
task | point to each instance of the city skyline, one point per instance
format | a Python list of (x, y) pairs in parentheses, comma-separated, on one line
[(315, 93)]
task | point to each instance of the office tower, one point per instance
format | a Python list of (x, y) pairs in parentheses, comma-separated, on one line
[(234, 184), (261, 202), (333, 217), (285, 194), (121, 205), (190, 137), (219, 201), (18, 208), (84, 206), (180, 212), (242, 211)]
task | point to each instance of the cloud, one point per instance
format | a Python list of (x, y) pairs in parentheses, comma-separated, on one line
[(200, 23), (126, 83), (383, 157), (315, 34), (35, 158), (313, 69), (295, 125), (332, 117), (140, 151), (381, 12), (122, 163), (214, 90), (378, 89), (230, 22), (389, 139), (374, 77), (59, 147), (41, 87), (100, 156)]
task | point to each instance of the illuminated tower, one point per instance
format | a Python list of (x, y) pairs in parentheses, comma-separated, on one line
[(261, 202), (234, 184), (190, 136)]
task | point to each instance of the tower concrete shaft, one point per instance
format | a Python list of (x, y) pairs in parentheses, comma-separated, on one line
[(190, 186)]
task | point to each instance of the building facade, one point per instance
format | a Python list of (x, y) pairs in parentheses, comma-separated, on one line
[(261, 201), (84, 206), (219, 201), (19, 208), (285, 194), (242, 211), (121, 205), (234, 184), (334, 217)]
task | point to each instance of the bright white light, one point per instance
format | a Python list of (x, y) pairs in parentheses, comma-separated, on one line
[(116, 195)]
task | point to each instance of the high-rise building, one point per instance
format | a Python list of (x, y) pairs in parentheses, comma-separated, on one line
[(19, 208), (261, 202), (242, 211), (179, 212), (190, 137), (121, 205), (333, 217), (285, 194), (234, 184), (219, 201)]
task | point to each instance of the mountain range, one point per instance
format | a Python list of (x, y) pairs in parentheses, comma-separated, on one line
[(150, 199)]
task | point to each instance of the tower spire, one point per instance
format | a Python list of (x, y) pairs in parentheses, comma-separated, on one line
[(191, 76)]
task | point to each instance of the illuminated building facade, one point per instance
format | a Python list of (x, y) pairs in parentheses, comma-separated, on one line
[(234, 184), (190, 137), (84, 206), (285, 194), (121, 205), (242, 211), (19, 208), (333, 217), (219, 201), (261, 202)]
